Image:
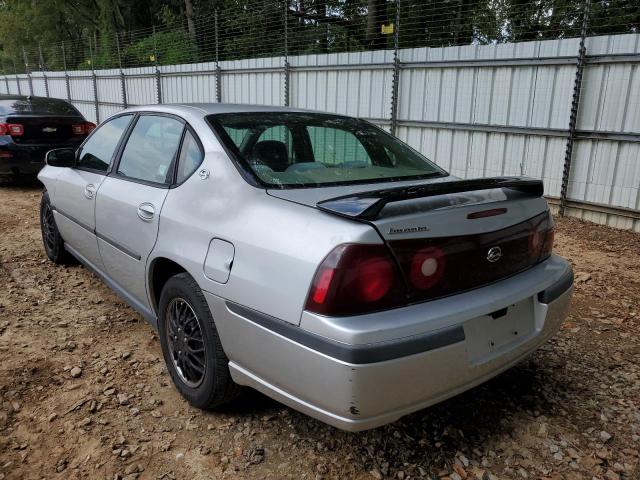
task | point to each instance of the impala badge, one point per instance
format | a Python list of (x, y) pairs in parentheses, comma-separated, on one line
[(397, 230), (494, 254), (49, 129)]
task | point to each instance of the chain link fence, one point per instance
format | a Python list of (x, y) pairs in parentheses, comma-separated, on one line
[(549, 89), (270, 28)]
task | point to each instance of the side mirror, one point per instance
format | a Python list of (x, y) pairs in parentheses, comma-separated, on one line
[(61, 157)]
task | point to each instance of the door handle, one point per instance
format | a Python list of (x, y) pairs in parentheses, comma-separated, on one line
[(146, 211), (90, 191)]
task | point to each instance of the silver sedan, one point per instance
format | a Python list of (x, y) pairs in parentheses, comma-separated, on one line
[(311, 256)]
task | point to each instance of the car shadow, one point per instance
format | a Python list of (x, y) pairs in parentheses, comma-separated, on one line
[(478, 414), (21, 183), (482, 416)]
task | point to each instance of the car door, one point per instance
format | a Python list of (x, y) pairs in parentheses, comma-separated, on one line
[(130, 199), (76, 188)]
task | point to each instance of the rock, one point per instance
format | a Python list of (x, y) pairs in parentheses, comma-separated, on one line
[(123, 399), (85, 422), (611, 475), (460, 471), (455, 476), (582, 277), (256, 456), (375, 473), (53, 416), (125, 355), (76, 372), (604, 436), (542, 430)]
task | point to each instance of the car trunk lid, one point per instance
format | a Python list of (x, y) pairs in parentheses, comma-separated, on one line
[(448, 235), (46, 129)]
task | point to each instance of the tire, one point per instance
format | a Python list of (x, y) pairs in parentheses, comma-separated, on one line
[(215, 386), (51, 238)]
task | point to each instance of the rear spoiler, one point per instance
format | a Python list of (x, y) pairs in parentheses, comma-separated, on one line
[(368, 205)]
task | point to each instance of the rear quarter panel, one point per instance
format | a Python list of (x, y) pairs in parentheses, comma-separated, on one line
[(278, 244)]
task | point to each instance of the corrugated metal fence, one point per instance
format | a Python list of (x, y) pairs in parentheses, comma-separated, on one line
[(476, 110)]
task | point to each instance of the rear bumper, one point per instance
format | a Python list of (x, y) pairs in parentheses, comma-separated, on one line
[(360, 386)]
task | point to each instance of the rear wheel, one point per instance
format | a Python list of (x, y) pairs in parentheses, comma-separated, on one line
[(191, 346), (51, 238)]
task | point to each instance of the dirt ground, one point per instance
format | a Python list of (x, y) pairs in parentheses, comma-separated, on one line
[(84, 393)]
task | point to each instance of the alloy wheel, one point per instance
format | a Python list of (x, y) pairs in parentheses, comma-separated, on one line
[(186, 342), (49, 228)]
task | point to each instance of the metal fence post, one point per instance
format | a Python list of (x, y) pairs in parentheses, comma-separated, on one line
[(6, 77), (218, 69), (26, 66), (44, 75), (575, 104), (94, 81), (15, 73), (286, 54), (67, 82), (396, 71), (158, 75), (123, 80)]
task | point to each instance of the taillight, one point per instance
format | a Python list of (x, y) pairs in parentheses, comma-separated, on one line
[(427, 267), (547, 248), (541, 238), (13, 129), (355, 279), (83, 128)]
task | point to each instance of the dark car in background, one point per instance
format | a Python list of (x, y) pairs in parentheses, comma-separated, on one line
[(31, 126)]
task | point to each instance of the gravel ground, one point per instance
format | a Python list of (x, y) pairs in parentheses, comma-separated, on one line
[(84, 393)]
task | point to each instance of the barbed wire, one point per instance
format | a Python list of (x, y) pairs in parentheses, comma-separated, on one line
[(277, 28)]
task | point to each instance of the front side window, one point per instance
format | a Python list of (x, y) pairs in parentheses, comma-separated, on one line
[(151, 149), (97, 152), (287, 149)]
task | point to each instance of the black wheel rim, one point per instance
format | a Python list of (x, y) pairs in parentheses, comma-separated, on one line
[(48, 228), (186, 343)]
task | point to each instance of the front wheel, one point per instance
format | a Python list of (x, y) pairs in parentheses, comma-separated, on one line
[(51, 238), (191, 346)]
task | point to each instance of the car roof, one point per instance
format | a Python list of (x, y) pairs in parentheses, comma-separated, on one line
[(215, 108)]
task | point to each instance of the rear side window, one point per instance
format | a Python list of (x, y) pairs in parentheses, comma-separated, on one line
[(98, 152), (191, 157), (238, 135), (151, 149)]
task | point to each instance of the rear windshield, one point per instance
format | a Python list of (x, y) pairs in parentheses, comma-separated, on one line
[(36, 106), (286, 149)]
